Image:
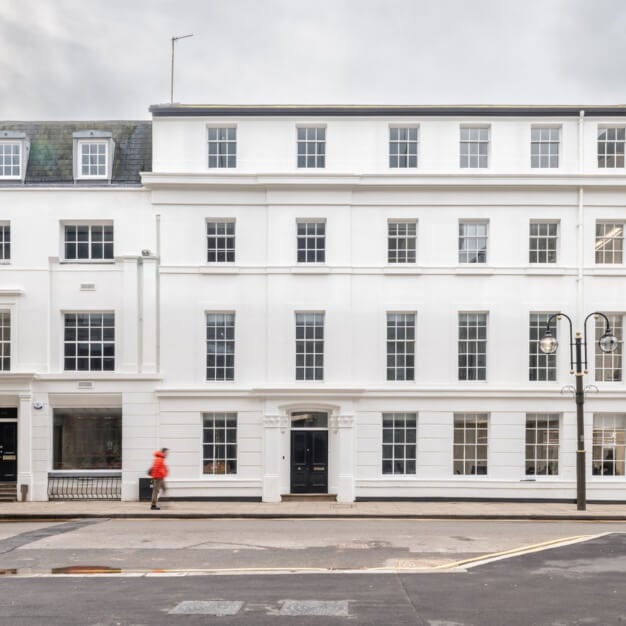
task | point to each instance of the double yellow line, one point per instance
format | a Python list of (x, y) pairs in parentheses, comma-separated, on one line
[(535, 547)]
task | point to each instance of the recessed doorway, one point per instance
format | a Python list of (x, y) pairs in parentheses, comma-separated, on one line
[(309, 452), (8, 445)]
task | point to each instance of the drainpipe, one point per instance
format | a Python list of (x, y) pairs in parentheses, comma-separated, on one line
[(158, 294)]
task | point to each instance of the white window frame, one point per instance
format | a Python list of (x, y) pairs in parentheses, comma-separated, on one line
[(609, 434), (82, 146), (607, 362), (470, 442), (90, 241), (6, 338), (407, 238), (4, 156), (614, 240), (544, 363), (406, 143), (82, 139), (317, 250), (473, 145), (226, 369), (543, 236), (465, 236), (541, 146), (550, 442), (399, 443), (224, 238), (19, 139), (468, 341), (5, 242), (228, 143), (616, 143), (302, 369), (400, 349), (216, 465), (90, 342), (307, 143)]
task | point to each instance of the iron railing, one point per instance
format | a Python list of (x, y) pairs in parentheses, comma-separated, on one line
[(77, 486)]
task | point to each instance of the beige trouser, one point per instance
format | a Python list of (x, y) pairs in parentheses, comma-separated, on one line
[(159, 485)]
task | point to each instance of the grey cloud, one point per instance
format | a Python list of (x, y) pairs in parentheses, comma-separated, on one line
[(86, 58)]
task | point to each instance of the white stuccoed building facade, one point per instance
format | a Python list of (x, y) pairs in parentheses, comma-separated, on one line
[(326, 299)]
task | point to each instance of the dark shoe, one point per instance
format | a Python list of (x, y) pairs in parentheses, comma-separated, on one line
[(154, 507)]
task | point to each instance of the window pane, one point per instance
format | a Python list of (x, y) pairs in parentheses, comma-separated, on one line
[(86, 439), (399, 429), (218, 428)]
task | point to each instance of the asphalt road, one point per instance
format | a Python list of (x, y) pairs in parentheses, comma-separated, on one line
[(566, 584), (234, 544)]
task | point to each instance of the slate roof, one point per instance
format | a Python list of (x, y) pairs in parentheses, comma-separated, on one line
[(51, 148)]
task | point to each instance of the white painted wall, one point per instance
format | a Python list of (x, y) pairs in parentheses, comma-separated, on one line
[(359, 145), (160, 304)]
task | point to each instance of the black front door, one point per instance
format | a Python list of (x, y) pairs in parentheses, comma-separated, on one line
[(8, 451), (309, 461)]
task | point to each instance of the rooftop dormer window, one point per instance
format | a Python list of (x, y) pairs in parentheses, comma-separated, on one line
[(93, 155), (14, 148)]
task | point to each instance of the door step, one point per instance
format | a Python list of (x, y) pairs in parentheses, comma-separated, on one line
[(309, 497), (8, 492)]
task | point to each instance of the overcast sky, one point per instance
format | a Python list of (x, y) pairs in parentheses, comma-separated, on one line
[(110, 59)]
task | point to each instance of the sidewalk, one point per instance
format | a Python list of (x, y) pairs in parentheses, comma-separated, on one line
[(397, 509)]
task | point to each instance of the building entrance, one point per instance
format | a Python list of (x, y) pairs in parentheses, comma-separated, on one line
[(8, 448), (309, 453)]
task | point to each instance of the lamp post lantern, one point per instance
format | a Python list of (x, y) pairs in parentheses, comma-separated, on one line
[(578, 366)]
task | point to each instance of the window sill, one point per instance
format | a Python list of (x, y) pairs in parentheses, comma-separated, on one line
[(87, 262)]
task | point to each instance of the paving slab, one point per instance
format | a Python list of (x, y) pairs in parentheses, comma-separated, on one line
[(314, 509)]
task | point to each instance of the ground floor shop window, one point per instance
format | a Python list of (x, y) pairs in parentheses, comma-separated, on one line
[(87, 439), (609, 444), (470, 443), (399, 447), (219, 443), (542, 444)]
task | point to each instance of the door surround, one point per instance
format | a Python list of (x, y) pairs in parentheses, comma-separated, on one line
[(308, 446)]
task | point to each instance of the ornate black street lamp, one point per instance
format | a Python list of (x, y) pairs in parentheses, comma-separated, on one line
[(578, 366)]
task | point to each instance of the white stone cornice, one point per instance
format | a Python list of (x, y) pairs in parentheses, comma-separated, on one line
[(170, 180)]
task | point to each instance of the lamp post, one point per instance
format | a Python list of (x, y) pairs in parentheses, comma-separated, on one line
[(578, 366)]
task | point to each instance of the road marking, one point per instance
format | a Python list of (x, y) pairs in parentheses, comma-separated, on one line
[(218, 608), (328, 608), (399, 566), (505, 554), (293, 608)]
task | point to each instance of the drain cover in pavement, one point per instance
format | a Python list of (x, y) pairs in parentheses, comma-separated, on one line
[(337, 608), (207, 607)]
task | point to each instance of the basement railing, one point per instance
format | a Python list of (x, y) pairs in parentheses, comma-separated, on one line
[(79, 486)]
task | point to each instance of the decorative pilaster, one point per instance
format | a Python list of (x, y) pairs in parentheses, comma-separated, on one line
[(273, 427), (343, 428), (25, 445), (149, 316), (129, 329)]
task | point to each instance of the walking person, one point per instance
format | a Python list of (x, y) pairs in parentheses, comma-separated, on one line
[(158, 472)]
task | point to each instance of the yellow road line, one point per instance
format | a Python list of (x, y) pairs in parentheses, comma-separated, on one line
[(485, 558), (536, 547)]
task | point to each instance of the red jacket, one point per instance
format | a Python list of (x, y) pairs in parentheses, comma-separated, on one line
[(159, 469)]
